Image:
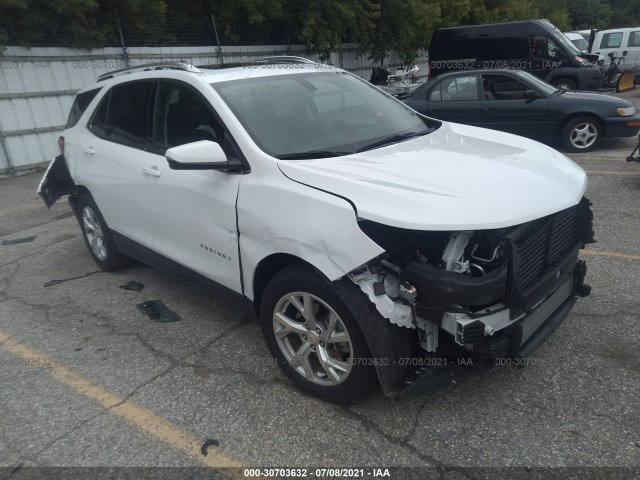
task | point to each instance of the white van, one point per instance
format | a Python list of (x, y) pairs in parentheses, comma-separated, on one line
[(622, 42)]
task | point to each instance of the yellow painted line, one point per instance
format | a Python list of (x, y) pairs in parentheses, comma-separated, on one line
[(141, 417), (605, 253), (603, 172)]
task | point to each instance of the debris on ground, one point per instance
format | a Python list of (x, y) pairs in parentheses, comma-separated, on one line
[(158, 311), (133, 286), (16, 241), (208, 443)]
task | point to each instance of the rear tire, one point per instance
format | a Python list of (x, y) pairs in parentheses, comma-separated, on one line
[(564, 83), (315, 338), (97, 236)]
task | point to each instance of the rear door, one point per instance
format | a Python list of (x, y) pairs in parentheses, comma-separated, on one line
[(112, 158), (456, 99), (506, 108)]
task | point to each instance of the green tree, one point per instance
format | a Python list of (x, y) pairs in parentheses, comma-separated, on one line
[(26, 22), (625, 13), (404, 26), (586, 14), (326, 24), (556, 11)]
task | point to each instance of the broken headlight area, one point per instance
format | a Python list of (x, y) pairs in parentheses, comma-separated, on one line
[(493, 293)]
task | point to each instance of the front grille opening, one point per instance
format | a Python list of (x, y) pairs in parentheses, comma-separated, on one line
[(544, 244)]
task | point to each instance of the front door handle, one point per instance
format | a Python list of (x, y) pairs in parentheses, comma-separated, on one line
[(152, 171), (89, 150)]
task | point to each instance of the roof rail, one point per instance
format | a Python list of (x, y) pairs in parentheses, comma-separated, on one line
[(151, 66), (262, 61)]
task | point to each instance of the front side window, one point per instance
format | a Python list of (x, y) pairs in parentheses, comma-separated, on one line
[(503, 87), (182, 115), (121, 116), (544, 47), (634, 39), (300, 115), (611, 40)]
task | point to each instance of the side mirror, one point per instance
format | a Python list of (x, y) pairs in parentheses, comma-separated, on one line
[(531, 94), (202, 155)]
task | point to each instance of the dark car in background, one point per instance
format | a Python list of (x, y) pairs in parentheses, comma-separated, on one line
[(536, 46), (517, 102)]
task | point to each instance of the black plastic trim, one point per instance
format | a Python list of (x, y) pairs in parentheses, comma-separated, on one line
[(152, 258), (547, 328)]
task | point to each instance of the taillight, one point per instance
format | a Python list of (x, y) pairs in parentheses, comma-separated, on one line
[(61, 144), (428, 70)]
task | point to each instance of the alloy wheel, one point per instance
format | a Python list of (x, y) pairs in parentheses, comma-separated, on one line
[(313, 338)]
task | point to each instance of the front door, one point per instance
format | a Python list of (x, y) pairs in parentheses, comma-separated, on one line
[(193, 212), (506, 107)]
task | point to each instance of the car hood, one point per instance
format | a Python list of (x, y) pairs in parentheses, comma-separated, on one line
[(456, 178), (590, 98)]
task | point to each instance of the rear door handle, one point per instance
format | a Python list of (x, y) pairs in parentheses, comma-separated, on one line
[(152, 171), (89, 150)]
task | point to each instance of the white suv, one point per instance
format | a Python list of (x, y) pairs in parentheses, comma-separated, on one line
[(371, 240)]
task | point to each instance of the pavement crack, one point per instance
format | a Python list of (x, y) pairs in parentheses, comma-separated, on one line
[(81, 424), (374, 427), (58, 282), (414, 428)]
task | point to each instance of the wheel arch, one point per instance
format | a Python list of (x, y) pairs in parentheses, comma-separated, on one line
[(270, 266), (73, 198), (554, 76)]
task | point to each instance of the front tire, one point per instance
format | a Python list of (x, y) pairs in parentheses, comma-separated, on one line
[(315, 338), (581, 134), (97, 236)]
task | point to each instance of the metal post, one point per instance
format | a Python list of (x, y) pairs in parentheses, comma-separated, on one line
[(125, 54), (5, 150), (215, 30)]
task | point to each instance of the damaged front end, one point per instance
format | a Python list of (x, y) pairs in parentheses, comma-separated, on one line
[(482, 295)]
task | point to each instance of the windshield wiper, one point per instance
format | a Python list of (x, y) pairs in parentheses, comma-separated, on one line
[(311, 155), (559, 92), (394, 139)]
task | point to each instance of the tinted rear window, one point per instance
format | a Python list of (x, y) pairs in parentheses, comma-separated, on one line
[(80, 104)]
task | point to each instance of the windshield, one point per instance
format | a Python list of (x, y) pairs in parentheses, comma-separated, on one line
[(562, 38), (581, 44), (314, 115), (542, 86)]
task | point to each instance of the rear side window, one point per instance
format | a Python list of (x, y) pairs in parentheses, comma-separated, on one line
[(456, 89), (80, 104), (634, 39), (123, 113), (611, 40)]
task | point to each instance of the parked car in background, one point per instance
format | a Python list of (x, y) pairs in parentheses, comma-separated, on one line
[(518, 102), (371, 240), (621, 42), (536, 46), (578, 40)]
